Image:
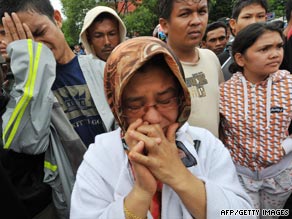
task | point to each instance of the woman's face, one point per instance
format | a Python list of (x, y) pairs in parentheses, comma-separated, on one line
[(262, 58), (153, 96)]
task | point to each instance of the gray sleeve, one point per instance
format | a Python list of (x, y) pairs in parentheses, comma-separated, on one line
[(27, 118)]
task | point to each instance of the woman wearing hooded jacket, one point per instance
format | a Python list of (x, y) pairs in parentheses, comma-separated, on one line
[(256, 111), (155, 165)]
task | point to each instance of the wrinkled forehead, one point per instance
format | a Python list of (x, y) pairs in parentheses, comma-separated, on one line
[(193, 1), (190, 2), (162, 80), (33, 18)]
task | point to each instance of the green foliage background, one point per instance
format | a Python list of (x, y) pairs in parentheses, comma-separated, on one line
[(75, 12), (145, 17)]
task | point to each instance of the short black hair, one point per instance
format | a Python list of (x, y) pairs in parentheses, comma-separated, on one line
[(166, 7), (240, 4), (42, 7), (225, 20), (213, 26), (279, 23)]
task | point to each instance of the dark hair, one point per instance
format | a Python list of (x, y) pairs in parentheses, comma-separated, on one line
[(288, 10), (213, 26), (225, 20), (105, 15), (166, 7), (240, 4), (247, 37), (42, 7), (278, 23)]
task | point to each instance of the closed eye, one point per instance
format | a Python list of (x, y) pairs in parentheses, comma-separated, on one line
[(132, 107), (39, 33), (167, 101)]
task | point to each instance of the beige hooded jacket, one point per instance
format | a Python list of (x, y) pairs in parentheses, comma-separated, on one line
[(89, 18)]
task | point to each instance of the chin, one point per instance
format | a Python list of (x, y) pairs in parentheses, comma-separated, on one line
[(103, 58)]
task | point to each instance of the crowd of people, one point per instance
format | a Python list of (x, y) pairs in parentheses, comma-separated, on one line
[(188, 123)]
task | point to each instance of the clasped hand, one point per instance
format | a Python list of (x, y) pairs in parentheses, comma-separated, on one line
[(153, 155)]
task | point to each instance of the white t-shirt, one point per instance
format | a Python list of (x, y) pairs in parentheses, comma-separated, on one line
[(203, 79)]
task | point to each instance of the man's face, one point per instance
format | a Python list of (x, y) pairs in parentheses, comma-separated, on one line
[(104, 37), (216, 40), (46, 31), (250, 14), (186, 25)]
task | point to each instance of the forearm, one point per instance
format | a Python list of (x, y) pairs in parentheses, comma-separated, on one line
[(28, 112), (192, 193), (138, 203)]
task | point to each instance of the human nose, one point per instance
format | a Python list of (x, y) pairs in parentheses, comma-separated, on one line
[(276, 53), (195, 19), (152, 115), (107, 40), (218, 42)]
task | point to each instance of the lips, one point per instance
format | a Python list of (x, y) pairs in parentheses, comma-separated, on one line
[(274, 63), (195, 33), (108, 50)]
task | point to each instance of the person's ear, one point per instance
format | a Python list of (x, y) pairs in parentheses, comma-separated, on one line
[(58, 18), (239, 59), (232, 24), (164, 25), (203, 44)]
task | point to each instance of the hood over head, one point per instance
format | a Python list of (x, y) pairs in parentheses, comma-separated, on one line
[(124, 62), (89, 18)]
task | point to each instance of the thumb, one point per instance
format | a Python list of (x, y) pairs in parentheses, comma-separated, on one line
[(170, 134)]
